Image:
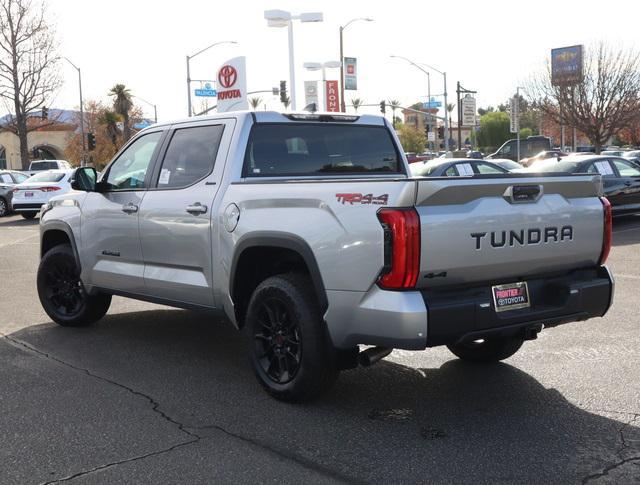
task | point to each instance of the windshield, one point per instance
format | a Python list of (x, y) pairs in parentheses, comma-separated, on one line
[(47, 177), (303, 149)]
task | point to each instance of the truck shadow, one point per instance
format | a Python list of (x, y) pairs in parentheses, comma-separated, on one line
[(626, 230), (18, 221), (449, 422)]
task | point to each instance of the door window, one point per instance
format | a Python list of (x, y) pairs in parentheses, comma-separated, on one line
[(626, 169), (190, 157), (19, 177), (130, 168), (483, 168), (5, 178)]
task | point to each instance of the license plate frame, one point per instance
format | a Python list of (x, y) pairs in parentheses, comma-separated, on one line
[(510, 296), (28, 194)]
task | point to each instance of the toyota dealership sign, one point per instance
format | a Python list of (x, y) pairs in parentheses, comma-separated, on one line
[(232, 85)]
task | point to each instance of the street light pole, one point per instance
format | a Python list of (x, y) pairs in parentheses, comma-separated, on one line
[(155, 108), (189, 70), (84, 146), (342, 27), (292, 68)]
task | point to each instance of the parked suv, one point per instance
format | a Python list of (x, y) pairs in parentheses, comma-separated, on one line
[(309, 232), (42, 165)]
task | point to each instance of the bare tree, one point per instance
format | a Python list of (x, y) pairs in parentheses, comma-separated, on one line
[(28, 67), (604, 103)]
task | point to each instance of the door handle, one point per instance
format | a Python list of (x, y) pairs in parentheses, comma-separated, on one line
[(628, 183), (130, 208), (197, 208)]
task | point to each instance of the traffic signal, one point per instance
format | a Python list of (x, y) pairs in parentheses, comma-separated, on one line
[(45, 113), (283, 91), (441, 132), (91, 141), (383, 107)]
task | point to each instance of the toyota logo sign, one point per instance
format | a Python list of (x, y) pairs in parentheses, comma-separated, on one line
[(227, 76)]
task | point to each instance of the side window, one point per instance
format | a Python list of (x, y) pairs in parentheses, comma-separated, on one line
[(626, 169), (451, 171), (483, 168), (464, 169), (506, 149), (130, 168), (190, 156), (19, 178)]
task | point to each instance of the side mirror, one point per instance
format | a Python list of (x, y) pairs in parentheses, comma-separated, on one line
[(84, 179)]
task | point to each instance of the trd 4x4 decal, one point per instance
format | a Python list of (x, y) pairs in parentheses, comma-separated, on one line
[(363, 199)]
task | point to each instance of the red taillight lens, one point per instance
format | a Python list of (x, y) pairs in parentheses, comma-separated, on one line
[(53, 188), (608, 226), (402, 248)]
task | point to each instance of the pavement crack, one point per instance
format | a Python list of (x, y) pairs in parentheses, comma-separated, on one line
[(284, 454), (155, 407), (120, 462), (623, 446)]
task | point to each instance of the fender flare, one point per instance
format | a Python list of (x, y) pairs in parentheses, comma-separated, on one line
[(64, 227), (285, 241)]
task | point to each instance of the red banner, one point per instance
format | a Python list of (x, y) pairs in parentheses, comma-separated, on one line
[(331, 96)]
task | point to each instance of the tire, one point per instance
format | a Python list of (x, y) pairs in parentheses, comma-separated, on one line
[(489, 350), (61, 292), (4, 207), (289, 347), (29, 215)]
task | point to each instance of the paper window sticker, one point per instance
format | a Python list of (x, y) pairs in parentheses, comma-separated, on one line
[(464, 169), (165, 174)]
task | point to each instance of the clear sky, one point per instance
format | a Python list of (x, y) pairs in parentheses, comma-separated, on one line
[(489, 46)]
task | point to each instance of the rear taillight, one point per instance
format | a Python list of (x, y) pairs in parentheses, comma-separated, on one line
[(606, 237), (401, 248), (53, 188)]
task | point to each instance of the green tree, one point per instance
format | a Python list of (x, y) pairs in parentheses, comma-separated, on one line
[(525, 132), (494, 129), (110, 119), (412, 140), (122, 105)]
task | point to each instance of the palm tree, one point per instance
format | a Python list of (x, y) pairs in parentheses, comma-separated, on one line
[(255, 102), (110, 120), (286, 102), (395, 104), (122, 104), (356, 103), (450, 107)]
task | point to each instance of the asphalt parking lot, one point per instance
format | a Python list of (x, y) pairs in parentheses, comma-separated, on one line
[(157, 395)]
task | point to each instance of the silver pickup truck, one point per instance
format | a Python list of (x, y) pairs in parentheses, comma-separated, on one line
[(309, 232)]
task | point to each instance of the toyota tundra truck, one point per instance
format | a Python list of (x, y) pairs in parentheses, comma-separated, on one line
[(308, 231)]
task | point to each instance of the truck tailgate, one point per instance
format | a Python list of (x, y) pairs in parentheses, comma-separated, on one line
[(507, 228)]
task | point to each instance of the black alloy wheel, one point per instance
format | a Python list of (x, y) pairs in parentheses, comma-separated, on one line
[(277, 342)]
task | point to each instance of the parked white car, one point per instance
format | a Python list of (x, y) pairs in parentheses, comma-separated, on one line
[(29, 196), (38, 166)]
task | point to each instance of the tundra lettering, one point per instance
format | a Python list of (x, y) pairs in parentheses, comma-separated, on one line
[(533, 236)]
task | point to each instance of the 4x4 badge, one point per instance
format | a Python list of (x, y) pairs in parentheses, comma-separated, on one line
[(363, 199)]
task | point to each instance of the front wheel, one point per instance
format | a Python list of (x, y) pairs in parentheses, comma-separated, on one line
[(487, 350), (29, 214), (61, 292), (4, 207), (290, 351)]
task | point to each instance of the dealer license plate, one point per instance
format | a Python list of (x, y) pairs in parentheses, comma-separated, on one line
[(28, 194), (511, 296)]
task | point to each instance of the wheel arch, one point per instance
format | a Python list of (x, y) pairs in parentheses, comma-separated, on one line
[(55, 233), (253, 247)]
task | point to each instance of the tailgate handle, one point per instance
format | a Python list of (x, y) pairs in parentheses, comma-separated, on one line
[(522, 194)]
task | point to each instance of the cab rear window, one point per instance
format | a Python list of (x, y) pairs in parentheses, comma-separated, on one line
[(292, 149)]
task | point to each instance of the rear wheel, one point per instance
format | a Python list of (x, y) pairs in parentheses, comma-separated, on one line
[(487, 350), (4, 207), (61, 292), (29, 215), (290, 351)]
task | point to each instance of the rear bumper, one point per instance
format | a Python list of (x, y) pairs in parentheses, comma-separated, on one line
[(415, 320), (30, 207), (467, 314)]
